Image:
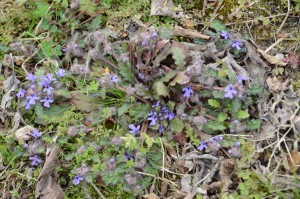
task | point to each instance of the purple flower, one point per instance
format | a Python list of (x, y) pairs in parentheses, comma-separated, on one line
[(32, 98), (48, 89), (47, 101), (154, 35), (236, 44), (35, 133), (30, 77), (46, 80), (135, 130), (114, 78), (35, 160), (238, 144), (164, 109), (21, 93), (229, 91), (169, 115), (112, 160), (202, 146), (128, 156), (218, 138), (160, 128), (225, 34), (26, 145), (60, 73), (156, 104), (77, 180), (27, 105), (187, 91), (240, 78), (153, 118)]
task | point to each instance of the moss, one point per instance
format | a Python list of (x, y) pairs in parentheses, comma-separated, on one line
[(14, 18)]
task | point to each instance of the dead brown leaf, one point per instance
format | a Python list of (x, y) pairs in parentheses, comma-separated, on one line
[(226, 170), (180, 138), (151, 196), (181, 78), (277, 84), (256, 67), (294, 160), (47, 187), (272, 59), (23, 134), (171, 151)]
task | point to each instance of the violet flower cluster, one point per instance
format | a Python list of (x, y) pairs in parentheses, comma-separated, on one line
[(235, 151), (35, 160), (159, 115), (235, 90), (40, 89), (213, 143), (235, 43), (148, 38)]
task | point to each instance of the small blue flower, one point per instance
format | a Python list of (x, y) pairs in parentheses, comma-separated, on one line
[(238, 144), (154, 35), (164, 109), (160, 128), (229, 91), (156, 104), (218, 138), (47, 101), (236, 44), (241, 78), (35, 160), (128, 156), (27, 105), (112, 160), (77, 180), (114, 78), (32, 98), (21, 93), (48, 89), (135, 130), (35, 133), (169, 116), (30, 77), (153, 117), (202, 146), (225, 34), (187, 91), (60, 73)]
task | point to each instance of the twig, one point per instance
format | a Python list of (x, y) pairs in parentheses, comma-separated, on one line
[(110, 63), (26, 60), (163, 158), (286, 16), (273, 45), (179, 31), (40, 22), (97, 190), (134, 95)]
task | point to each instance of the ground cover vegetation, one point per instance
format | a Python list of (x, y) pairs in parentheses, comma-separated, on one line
[(149, 99)]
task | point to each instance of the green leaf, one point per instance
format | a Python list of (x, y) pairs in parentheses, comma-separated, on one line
[(253, 124), (218, 25), (216, 126), (126, 72), (41, 9), (222, 117), (176, 125), (179, 57), (123, 109), (161, 89), (168, 76), (53, 114), (93, 86), (139, 111), (214, 103), (243, 114)]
